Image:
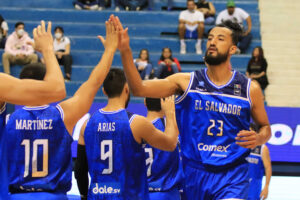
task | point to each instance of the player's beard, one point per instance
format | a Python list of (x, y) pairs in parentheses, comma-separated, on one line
[(127, 101), (215, 60)]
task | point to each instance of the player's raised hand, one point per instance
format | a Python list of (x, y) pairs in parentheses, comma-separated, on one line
[(168, 105), (123, 35), (112, 34), (43, 39), (247, 139)]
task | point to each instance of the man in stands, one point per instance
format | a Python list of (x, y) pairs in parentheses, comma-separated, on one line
[(17, 49), (191, 25), (237, 15)]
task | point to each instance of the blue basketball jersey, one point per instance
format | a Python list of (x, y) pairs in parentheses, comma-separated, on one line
[(256, 171), (209, 117), (3, 156), (164, 170), (39, 150), (116, 161)]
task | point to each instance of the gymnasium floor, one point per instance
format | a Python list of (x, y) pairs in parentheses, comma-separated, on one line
[(281, 188)]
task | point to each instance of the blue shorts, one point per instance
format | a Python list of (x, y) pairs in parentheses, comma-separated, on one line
[(38, 195), (255, 189), (172, 194), (202, 184), (191, 34)]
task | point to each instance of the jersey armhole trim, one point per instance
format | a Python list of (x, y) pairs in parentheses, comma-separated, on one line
[(132, 118), (248, 92), (180, 98), (61, 111), (2, 110)]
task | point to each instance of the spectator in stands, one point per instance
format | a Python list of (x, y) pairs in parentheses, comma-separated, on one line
[(237, 15), (191, 25), (143, 64), (257, 68), (151, 5), (62, 49), (208, 9), (133, 4), (86, 4), (3, 32), (107, 3), (17, 50), (167, 65)]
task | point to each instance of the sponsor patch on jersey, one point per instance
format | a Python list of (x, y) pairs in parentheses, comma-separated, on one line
[(237, 90), (110, 188)]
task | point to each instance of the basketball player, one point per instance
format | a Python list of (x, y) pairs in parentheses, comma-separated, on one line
[(164, 169), (23, 92), (39, 136), (113, 142), (213, 116), (260, 164)]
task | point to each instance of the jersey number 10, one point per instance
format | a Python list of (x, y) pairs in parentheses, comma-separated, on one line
[(34, 161)]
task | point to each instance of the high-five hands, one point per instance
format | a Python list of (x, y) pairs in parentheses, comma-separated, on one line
[(112, 34)]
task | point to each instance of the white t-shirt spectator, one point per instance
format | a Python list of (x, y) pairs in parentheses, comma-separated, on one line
[(238, 16), (4, 26), (140, 63), (189, 16), (62, 44)]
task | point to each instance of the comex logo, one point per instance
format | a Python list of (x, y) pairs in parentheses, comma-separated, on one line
[(104, 189), (205, 147)]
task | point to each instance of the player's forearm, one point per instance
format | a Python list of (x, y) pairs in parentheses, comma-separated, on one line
[(53, 77), (101, 70), (171, 130), (132, 75), (268, 172), (264, 134)]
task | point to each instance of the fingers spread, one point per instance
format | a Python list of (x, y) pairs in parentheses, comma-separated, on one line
[(43, 29), (49, 27)]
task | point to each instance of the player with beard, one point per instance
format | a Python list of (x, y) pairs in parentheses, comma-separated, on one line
[(110, 145), (213, 115)]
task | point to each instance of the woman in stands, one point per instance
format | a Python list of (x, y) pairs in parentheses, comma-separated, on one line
[(257, 68), (143, 64), (62, 51), (167, 65)]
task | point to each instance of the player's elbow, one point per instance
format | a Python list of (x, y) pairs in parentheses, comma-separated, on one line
[(60, 92), (138, 92), (172, 145)]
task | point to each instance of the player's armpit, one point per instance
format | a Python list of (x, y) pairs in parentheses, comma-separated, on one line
[(143, 129)]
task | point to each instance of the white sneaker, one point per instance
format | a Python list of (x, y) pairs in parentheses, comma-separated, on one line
[(198, 49), (77, 7), (117, 9), (101, 8), (183, 48)]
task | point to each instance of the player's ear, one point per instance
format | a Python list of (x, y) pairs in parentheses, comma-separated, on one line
[(126, 88), (232, 49), (104, 91)]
